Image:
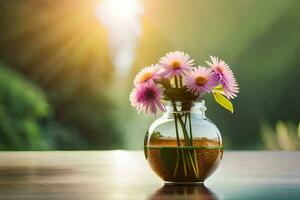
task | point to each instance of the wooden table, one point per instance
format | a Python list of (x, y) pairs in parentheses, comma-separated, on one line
[(125, 175)]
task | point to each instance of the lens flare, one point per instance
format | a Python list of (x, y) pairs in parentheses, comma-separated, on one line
[(122, 19)]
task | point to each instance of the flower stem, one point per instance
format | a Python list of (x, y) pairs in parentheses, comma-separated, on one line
[(190, 126), (194, 151), (180, 81), (188, 158), (177, 162), (184, 131), (176, 81), (177, 116), (183, 160), (196, 163), (176, 128), (178, 144), (185, 118)]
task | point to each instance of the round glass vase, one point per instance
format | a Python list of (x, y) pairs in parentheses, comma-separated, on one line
[(183, 146)]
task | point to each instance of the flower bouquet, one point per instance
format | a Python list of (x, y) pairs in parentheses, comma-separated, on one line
[(183, 145)]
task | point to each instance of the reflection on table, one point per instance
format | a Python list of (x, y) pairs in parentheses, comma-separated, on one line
[(194, 191)]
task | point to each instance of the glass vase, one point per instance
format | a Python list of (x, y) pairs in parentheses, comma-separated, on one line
[(183, 146)]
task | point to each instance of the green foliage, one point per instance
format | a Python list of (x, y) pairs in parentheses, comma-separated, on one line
[(25, 117), (21, 107), (284, 136), (156, 134)]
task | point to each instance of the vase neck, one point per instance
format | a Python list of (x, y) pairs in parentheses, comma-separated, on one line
[(184, 107)]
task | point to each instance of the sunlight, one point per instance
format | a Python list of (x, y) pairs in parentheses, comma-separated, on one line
[(122, 19)]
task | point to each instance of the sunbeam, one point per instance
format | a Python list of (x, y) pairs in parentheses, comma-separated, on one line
[(122, 19)]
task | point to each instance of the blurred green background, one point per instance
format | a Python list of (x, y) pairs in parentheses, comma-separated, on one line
[(66, 69)]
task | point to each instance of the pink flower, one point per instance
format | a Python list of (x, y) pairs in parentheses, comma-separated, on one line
[(147, 75), (200, 81), (147, 98), (225, 75), (175, 63)]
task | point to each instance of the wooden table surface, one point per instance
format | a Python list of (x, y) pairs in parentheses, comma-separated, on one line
[(125, 175)]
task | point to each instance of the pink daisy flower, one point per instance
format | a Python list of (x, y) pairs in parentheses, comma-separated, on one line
[(200, 81), (147, 98), (175, 63), (147, 75), (225, 75)]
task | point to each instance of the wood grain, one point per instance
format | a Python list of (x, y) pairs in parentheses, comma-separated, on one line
[(125, 175)]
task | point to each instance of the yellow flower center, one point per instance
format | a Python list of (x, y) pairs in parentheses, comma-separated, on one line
[(176, 65), (201, 80), (146, 77)]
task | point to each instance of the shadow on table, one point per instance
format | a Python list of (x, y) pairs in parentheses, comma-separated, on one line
[(169, 191)]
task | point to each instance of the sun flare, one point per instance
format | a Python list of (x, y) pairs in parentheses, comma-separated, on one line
[(122, 19)]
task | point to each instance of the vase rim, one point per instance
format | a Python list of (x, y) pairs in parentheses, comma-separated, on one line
[(185, 106), (179, 103)]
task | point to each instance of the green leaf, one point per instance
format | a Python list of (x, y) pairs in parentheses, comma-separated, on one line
[(219, 88), (222, 100)]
